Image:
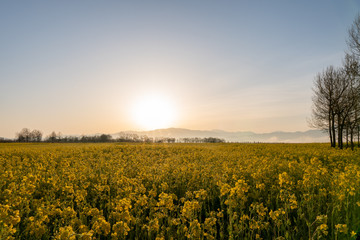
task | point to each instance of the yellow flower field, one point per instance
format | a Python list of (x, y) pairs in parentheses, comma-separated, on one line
[(178, 191)]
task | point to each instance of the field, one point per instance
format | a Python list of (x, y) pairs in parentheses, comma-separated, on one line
[(179, 191)]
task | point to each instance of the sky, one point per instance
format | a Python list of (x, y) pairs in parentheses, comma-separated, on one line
[(86, 67)]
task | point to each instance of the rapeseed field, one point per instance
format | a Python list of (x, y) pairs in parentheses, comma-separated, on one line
[(178, 191)]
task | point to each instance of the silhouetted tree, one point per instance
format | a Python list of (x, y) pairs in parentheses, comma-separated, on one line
[(105, 138), (52, 137), (353, 40), (23, 135), (325, 102), (336, 101), (35, 136), (202, 140), (351, 104), (164, 140), (213, 140)]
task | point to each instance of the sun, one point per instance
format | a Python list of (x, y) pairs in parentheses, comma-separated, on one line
[(153, 112)]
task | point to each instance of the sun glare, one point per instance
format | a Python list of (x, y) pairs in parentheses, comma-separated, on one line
[(153, 112)]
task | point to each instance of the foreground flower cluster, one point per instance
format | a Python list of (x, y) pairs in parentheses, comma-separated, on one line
[(178, 191)]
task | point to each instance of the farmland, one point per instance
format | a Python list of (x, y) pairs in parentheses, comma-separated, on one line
[(178, 191)]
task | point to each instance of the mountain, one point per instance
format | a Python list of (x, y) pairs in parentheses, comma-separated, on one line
[(273, 137)]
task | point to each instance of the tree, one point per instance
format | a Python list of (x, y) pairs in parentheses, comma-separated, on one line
[(105, 138), (353, 40), (52, 137), (325, 101), (336, 101), (351, 104), (35, 136), (23, 135)]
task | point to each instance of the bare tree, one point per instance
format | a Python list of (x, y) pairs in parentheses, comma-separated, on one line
[(23, 135), (35, 135), (336, 99), (353, 40), (325, 102), (104, 138), (52, 137), (351, 105)]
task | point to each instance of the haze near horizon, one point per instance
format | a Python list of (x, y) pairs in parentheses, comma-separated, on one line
[(89, 67)]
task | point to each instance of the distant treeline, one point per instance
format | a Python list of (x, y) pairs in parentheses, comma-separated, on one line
[(26, 135)]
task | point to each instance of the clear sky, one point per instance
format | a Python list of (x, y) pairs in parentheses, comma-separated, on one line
[(85, 67)]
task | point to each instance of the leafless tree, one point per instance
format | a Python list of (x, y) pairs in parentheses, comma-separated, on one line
[(353, 40), (23, 135), (351, 105), (35, 135), (52, 137), (336, 99), (325, 102)]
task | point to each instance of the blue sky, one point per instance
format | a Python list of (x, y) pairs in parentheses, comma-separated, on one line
[(80, 67)]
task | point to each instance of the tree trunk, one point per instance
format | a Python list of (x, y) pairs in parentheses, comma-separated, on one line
[(333, 131), (331, 138), (340, 134), (347, 136), (351, 138), (358, 133), (330, 132)]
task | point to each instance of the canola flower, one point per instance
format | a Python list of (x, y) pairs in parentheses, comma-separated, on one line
[(178, 191)]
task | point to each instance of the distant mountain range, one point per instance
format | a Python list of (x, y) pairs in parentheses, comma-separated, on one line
[(273, 137)]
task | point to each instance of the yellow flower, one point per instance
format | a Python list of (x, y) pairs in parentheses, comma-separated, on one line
[(341, 228), (121, 228), (323, 229), (101, 226), (66, 233)]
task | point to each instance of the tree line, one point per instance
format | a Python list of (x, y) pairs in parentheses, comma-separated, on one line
[(27, 135), (336, 95)]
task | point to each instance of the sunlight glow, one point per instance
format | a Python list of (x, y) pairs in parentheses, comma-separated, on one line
[(153, 112)]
